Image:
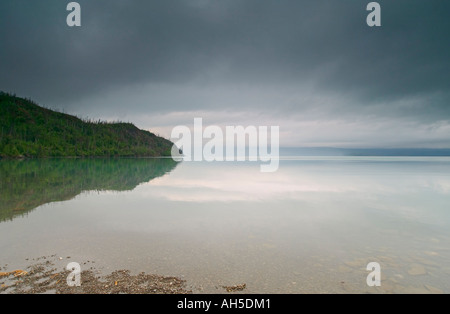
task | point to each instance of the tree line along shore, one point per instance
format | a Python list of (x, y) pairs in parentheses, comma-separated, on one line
[(28, 130)]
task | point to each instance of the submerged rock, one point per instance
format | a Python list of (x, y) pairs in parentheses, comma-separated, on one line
[(417, 270), (434, 289)]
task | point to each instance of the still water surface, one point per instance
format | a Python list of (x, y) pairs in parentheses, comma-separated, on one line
[(313, 226)]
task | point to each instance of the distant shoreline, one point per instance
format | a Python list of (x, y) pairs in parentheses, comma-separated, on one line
[(362, 152)]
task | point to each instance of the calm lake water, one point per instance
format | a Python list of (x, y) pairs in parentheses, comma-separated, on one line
[(313, 226)]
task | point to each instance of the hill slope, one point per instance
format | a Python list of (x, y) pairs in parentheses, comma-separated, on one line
[(28, 130)]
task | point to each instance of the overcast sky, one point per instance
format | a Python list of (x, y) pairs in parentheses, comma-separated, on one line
[(312, 67)]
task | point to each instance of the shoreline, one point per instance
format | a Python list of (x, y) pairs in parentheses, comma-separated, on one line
[(45, 277), (82, 157)]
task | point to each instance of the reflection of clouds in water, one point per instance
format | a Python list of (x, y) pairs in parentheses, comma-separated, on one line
[(439, 185), (242, 186), (224, 182)]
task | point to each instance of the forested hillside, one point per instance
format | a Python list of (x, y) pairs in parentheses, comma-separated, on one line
[(28, 130)]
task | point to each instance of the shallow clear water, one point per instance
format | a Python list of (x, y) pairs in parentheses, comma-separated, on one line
[(312, 226)]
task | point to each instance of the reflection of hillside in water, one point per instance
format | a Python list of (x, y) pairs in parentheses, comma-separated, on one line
[(27, 184)]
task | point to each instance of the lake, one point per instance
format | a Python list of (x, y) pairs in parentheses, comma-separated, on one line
[(311, 227)]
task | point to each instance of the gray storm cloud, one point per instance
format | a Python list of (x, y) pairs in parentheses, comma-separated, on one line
[(297, 63)]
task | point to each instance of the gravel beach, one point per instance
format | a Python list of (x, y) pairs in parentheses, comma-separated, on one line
[(43, 277)]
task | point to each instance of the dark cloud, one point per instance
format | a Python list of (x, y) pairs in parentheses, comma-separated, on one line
[(187, 55)]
